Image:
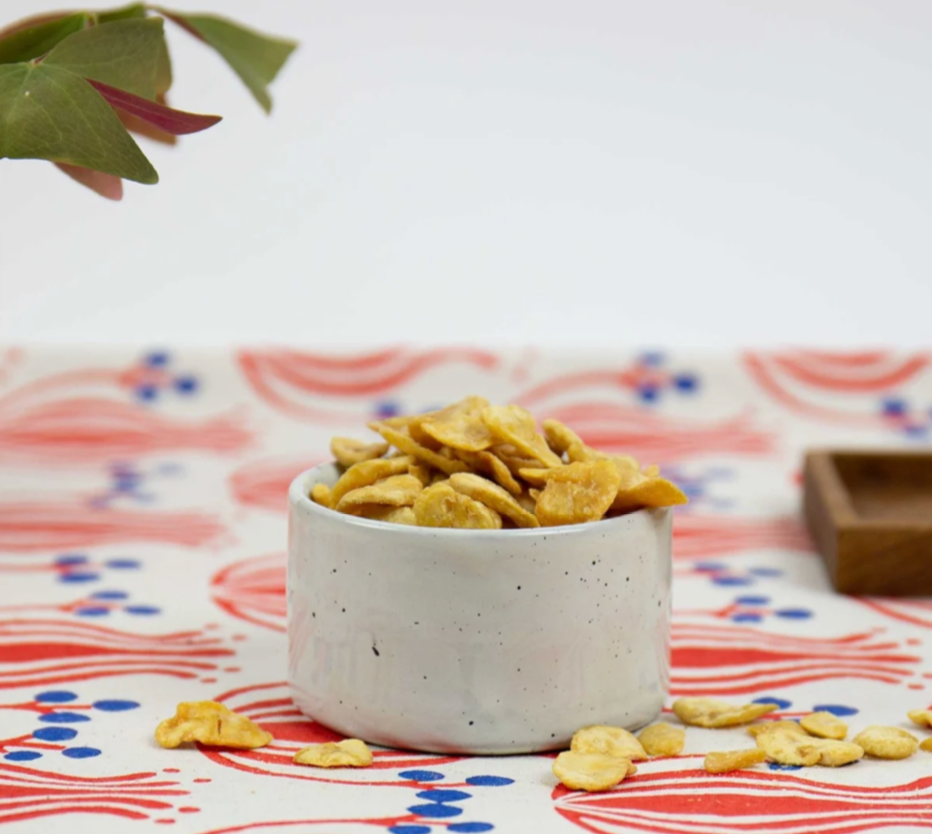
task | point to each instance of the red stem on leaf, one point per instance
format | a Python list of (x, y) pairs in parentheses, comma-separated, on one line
[(176, 122), (179, 20)]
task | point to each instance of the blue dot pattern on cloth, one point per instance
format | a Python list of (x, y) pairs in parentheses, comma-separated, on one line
[(63, 718), (81, 752), (435, 810), (746, 617), (71, 559), (752, 600), (794, 613), (109, 595), (186, 385), (92, 611), (441, 795), (79, 576), (708, 567), (421, 775), (835, 709), (23, 756), (122, 564), (686, 382), (55, 733), (56, 696), (731, 580), (113, 705), (156, 359), (768, 572), (894, 407), (409, 829), (141, 609), (780, 702), (470, 827), (489, 781)]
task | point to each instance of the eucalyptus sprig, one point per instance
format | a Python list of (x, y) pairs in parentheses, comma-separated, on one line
[(75, 85)]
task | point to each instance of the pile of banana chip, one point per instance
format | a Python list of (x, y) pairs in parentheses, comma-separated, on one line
[(481, 466)]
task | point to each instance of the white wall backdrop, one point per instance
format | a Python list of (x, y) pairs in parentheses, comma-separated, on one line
[(685, 172)]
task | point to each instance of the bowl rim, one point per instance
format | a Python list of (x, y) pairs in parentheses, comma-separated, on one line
[(299, 499)]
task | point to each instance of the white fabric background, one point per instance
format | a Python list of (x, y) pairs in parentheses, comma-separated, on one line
[(673, 173)]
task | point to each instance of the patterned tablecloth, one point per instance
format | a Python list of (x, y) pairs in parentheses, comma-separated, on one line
[(142, 537)]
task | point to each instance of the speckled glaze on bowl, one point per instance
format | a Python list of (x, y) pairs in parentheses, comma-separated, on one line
[(481, 642)]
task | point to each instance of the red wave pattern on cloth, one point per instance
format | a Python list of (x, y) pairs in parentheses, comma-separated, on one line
[(254, 590), (27, 794), (800, 380), (28, 526), (86, 430), (917, 612), (697, 536), (37, 652), (270, 706), (289, 381), (264, 483), (696, 802), (735, 660), (656, 438)]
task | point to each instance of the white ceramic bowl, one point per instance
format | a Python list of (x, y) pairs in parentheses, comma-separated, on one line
[(475, 641)]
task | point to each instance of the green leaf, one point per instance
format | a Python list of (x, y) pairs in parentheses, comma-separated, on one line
[(123, 13), (256, 58), (123, 54), (49, 113), (163, 70), (34, 41)]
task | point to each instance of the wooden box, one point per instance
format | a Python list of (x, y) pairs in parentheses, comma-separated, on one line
[(870, 514)]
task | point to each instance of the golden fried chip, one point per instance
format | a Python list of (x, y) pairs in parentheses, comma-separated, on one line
[(460, 425), (607, 741), (512, 458), (442, 506), (833, 753), (824, 725), (580, 453), (769, 726), (662, 740), (922, 717), (733, 760), (485, 463), (492, 495), (709, 712), (321, 494), (210, 723), (407, 444), (396, 491), (347, 451), (390, 515), (528, 500), (789, 748), (577, 493), (926, 744), (513, 425), (422, 472), (887, 742), (366, 473), (348, 753), (638, 491), (560, 436), (792, 747), (590, 771)]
